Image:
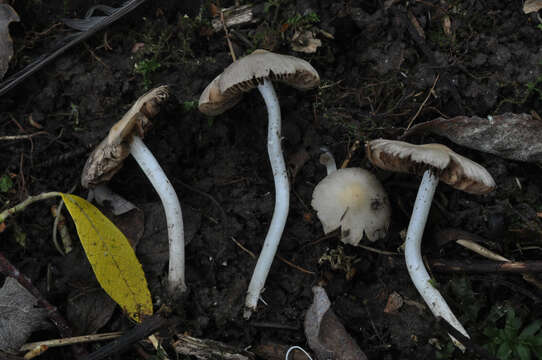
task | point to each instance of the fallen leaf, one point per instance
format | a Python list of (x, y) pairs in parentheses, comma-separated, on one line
[(153, 248), (7, 15), (305, 42), (532, 6), (112, 258), (19, 315), (325, 334), (394, 303), (89, 309), (511, 136)]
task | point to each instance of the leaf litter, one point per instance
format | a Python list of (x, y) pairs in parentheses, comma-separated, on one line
[(19, 315), (325, 334), (7, 16), (510, 136)]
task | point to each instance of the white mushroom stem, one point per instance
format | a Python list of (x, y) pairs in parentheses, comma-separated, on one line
[(328, 160), (172, 208), (413, 256), (282, 199)]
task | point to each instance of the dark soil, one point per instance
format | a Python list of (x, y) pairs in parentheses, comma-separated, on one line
[(376, 73)]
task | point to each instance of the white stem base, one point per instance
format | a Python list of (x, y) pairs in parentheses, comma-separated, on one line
[(413, 256), (172, 208), (282, 199)]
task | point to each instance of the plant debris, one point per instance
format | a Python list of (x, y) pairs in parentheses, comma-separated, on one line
[(325, 334), (511, 136), (7, 16), (19, 315)]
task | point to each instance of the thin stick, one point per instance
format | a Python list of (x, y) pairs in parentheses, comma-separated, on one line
[(30, 200), (227, 34), (297, 267), (450, 266), (352, 150), (480, 250), (22, 137), (378, 251), (72, 340), (423, 103), (287, 262), (244, 248)]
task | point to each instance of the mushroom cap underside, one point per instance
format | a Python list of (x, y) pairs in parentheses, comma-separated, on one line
[(354, 200), (226, 90), (451, 168), (107, 158), (249, 71)]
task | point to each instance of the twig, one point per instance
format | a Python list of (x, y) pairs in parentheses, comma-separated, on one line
[(297, 267), (139, 332), (30, 200), (442, 265), (423, 103), (72, 340), (352, 150), (287, 262), (227, 34), (378, 251), (244, 248), (22, 137), (480, 250)]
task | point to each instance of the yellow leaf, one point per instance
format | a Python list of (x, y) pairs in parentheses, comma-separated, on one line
[(112, 258)]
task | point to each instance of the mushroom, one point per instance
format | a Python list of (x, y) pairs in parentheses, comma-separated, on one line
[(434, 161), (124, 139), (351, 199), (258, 70)]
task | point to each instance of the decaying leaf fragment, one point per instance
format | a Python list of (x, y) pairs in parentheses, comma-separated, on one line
[(305, 42), (112, 258), (511, 136), (325, 334), (108, 157), (7, 15), (532, 6), (19, 315)]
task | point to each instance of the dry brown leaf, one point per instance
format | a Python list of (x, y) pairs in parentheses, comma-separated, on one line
[(532, 6), (7, 15), (394, 303), (325, 334), (305, 42), (511, 136), (19, 315)]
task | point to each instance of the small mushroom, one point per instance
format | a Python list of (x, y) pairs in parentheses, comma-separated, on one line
[(435, 162), (259, 69), (124, 139), (351, 199)]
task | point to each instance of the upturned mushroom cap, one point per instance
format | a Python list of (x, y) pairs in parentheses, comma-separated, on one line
[(107, 158), (450, 167), (246, 73), (354, 200)]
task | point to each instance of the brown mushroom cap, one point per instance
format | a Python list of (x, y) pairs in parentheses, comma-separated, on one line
[(450, 167), (246, 73), (107, 158)]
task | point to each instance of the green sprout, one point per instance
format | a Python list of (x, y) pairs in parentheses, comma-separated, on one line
[(146, 67), (6, 184)]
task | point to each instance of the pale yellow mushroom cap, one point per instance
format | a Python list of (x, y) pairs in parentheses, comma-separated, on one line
[(354, 200), (246, 73), (450, 167)]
